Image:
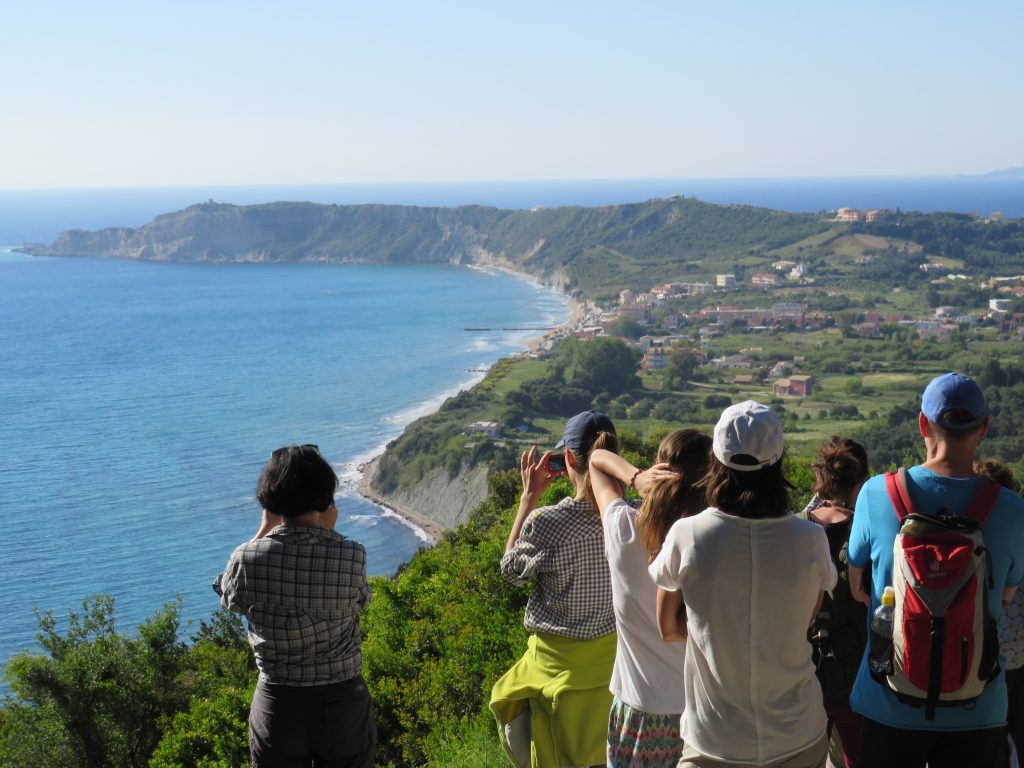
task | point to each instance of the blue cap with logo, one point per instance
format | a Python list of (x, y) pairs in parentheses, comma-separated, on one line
[(582, 430), (954, 401)]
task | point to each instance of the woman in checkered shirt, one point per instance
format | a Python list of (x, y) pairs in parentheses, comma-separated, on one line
[(302, 586), (552, 705)]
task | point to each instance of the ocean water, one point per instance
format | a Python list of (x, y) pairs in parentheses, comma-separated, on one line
[(138, 402)]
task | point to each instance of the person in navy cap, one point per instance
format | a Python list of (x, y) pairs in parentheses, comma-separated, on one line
[(895, 731), (552, 706)]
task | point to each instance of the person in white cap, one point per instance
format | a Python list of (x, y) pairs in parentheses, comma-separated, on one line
[(743, 580)]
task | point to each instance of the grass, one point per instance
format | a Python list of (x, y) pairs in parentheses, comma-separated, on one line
[(475, 747), (514, 372), (812, 244)]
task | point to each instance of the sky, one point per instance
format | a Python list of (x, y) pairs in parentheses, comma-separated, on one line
[(106, 94)]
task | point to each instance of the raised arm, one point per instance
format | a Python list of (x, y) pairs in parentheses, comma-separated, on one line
[(606, 477), (535, 481), (616, 467)]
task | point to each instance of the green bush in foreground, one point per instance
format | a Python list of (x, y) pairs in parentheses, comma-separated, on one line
[(96, 698), (440, 632)]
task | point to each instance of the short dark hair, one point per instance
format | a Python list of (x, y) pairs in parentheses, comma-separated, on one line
[(951, 435), (296, 480)]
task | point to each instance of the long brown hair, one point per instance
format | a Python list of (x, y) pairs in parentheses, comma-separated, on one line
[(606, 440), (758, 494), (688, 452), (841, 466)]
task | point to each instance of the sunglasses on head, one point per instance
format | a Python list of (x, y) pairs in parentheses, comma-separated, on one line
[(287, 448)]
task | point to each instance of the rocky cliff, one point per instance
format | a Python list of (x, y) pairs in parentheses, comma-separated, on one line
[(438, 503)]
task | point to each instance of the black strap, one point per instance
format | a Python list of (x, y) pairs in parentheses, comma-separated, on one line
[(938, 638)]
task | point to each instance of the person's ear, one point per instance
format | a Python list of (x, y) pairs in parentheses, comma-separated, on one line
[(570, 459), (922, 424)]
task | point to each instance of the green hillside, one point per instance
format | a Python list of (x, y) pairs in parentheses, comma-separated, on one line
[(593, 251)]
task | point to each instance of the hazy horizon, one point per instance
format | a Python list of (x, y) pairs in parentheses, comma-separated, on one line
[(456, 182)]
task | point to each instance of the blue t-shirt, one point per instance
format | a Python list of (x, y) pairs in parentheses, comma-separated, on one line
[(875, 526)]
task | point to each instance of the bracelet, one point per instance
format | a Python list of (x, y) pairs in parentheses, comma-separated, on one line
[(632, 480)]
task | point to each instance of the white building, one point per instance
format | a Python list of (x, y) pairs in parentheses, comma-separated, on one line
[(489, 428), (725, 281)]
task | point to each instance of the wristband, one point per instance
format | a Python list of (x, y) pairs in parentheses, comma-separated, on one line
[(632, 480)]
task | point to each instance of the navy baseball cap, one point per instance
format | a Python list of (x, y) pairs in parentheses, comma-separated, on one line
[(954, 401), (582, 430)]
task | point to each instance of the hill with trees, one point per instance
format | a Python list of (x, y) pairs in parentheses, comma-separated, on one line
[(591, 251)]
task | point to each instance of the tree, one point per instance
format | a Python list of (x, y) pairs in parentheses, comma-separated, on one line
[(626, 328), (96, 697), (717, 401), (854, 387), (846, 321), (599, 365), (682, 363), (212, 733), (99, 698)]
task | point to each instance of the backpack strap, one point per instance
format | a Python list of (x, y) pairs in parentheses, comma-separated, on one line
[(984, 502), (896, 486), (982, 505)]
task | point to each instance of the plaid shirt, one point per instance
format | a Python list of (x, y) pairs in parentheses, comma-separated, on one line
[(301, 589), (562, 549)]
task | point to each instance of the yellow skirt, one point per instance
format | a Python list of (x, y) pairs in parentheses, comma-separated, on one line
[(552, 706)]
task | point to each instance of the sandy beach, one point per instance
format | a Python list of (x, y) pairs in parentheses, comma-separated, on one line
[(431, 528)]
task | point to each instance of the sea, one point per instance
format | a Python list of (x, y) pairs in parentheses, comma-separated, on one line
[(138, 401)]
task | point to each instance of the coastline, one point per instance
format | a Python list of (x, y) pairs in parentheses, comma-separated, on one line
[(431, 530), (427, 528)]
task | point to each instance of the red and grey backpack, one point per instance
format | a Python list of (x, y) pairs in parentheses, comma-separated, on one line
[(945, 643)]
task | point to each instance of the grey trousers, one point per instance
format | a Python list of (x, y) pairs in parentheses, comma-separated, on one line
[(323, 726)]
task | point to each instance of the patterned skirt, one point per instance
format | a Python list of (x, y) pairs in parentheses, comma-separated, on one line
[(638, 739)]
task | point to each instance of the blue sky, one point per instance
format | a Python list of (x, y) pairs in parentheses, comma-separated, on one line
[(148, 94)]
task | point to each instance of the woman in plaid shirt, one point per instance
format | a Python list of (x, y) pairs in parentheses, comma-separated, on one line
[(301, 586), (552, 705)]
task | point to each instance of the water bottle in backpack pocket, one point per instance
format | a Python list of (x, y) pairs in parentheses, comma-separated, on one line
[(880, 656)]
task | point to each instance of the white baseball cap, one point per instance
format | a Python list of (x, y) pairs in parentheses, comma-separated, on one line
[(748, 429)]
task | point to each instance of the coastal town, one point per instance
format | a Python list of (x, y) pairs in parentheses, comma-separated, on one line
[(656, 320)]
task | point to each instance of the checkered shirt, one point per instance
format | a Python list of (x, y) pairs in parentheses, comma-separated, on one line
[(301, 589), (562, 549)]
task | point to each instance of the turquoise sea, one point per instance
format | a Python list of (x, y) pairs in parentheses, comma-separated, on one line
[(138, 402)]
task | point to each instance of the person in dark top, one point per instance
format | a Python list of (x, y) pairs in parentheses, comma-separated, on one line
[(839, 632)]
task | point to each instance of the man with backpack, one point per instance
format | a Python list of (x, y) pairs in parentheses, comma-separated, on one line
[(950, 546)]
